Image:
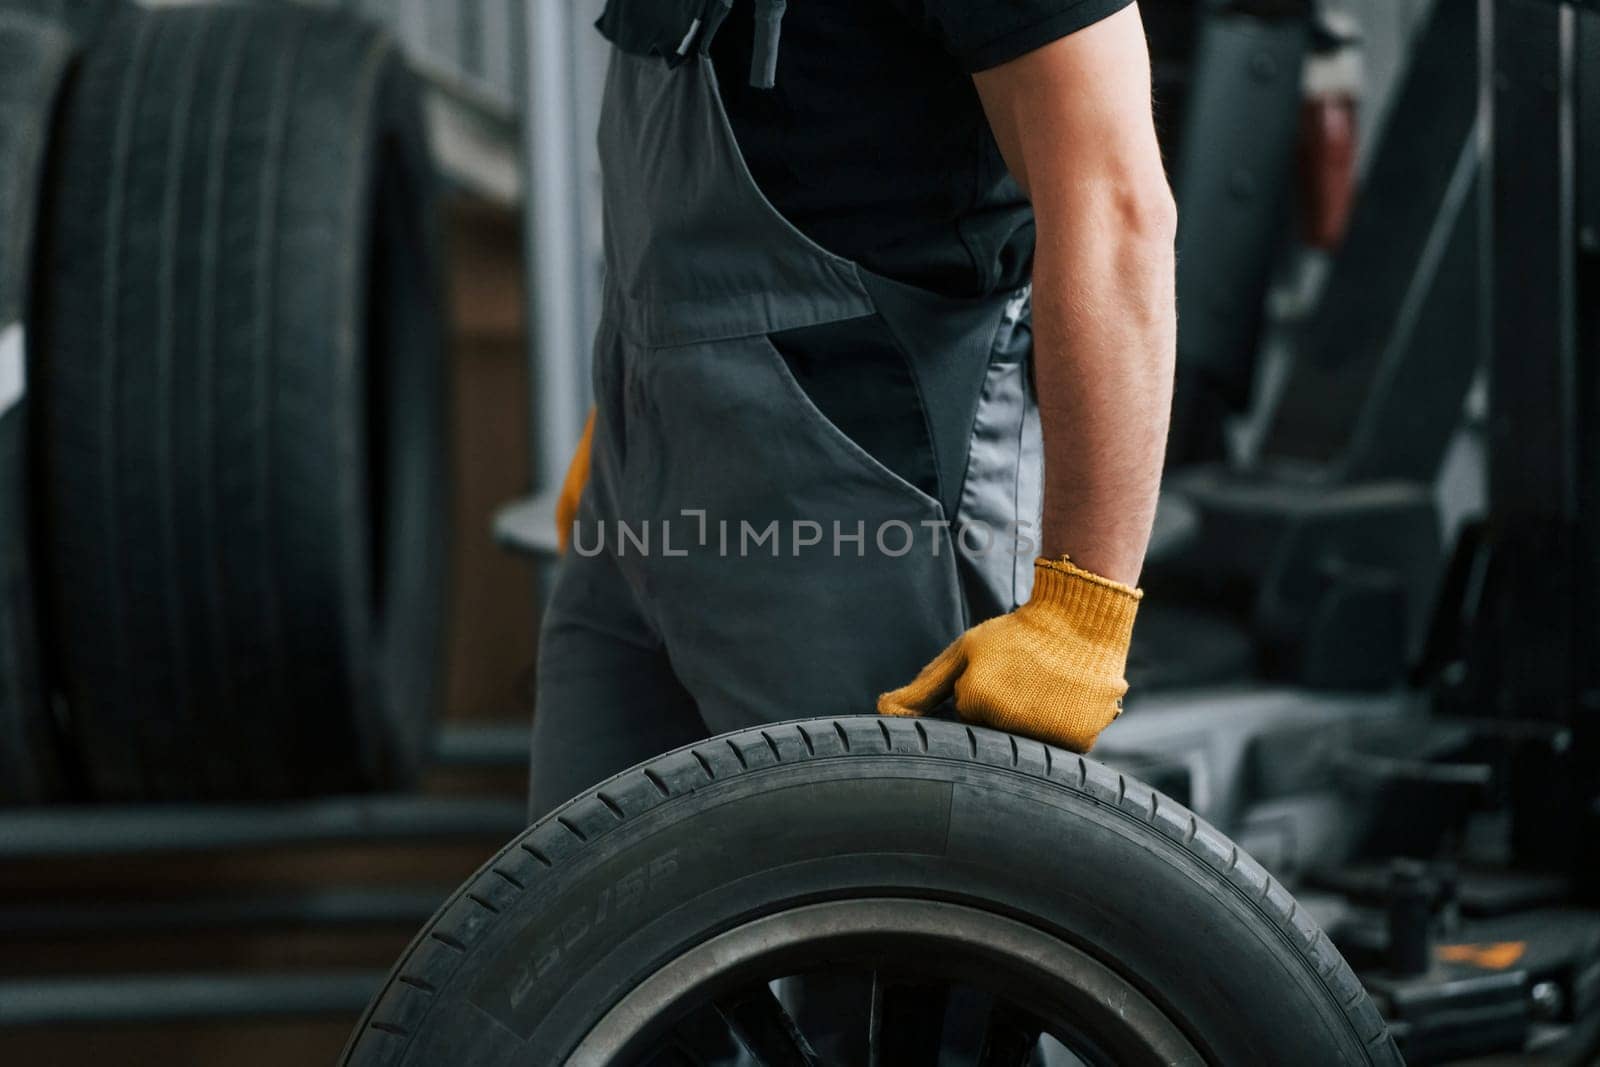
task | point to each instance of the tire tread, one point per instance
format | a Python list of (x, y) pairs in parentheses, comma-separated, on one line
[(204, 405), (664, 776)]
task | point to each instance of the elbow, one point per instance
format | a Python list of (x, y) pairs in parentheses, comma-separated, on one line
[(1145, 213), (1110, 205), (1111, 242), (1143, 220)]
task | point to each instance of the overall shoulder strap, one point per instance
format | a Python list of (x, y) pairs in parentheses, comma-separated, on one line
[(666, 29), (671, 30), (764, 56)]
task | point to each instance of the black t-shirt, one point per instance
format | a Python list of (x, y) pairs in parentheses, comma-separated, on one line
[(874, 143)]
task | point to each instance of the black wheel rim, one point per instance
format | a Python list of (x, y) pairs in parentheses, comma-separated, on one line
[(885, 983)]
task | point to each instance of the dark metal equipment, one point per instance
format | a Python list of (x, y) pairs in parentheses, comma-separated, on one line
[(1326, 548), (1532, 658), (1385, 362), (1488, 940), (1236, 159), (1519, 627), (1459, 858)]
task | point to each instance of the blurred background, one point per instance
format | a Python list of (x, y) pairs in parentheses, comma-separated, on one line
[(279, 444)]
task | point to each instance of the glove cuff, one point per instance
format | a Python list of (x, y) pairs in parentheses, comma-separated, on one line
[(1099, 610)]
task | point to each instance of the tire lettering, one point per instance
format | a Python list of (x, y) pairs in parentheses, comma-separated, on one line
[(620, 898)]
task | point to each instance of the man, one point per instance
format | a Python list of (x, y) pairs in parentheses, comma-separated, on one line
[(821, 382)]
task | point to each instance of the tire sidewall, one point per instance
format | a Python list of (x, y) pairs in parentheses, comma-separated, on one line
[(31, 768), (407, 548), (785, 836)]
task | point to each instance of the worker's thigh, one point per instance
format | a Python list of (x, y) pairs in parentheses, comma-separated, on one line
[(607, 697)]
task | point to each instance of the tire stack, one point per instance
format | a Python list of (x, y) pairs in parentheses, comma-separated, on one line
[(34, 57), (229, 497)]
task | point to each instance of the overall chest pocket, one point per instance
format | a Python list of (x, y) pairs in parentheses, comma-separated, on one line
[(669, 29)]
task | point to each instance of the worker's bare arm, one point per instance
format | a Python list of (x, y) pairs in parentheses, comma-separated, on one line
[(1073, 120)]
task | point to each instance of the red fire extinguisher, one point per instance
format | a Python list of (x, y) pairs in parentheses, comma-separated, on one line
[(1329, 114)]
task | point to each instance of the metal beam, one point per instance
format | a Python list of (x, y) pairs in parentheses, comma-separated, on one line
[(492, 746), (321, 908), (132, 830), (183, 998), (552, 233), (1532, 656)]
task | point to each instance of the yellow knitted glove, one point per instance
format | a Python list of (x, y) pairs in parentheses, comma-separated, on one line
[(572, 485), (1050, 670)]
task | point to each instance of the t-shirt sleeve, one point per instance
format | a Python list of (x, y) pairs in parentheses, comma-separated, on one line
[(986, 33)]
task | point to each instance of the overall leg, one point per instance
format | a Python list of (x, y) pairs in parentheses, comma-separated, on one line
[(607, 696)]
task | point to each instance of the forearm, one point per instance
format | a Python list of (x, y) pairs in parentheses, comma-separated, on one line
[(1105, 325), (1073, 121)]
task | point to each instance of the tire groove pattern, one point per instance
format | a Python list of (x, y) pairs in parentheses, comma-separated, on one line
[(186, 733), (110, 443), (216, 608), (265, 319)]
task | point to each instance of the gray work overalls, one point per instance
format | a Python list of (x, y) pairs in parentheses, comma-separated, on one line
[(738, 559)]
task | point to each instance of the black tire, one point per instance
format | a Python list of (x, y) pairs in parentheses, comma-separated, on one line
[(598, 900), (81, 17), (242, 388), (34, 58)]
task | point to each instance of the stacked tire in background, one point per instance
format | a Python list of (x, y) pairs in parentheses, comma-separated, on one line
[(236, 412), (34, 57)]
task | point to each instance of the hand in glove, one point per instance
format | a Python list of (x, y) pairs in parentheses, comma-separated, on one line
[(1050, 670), (572, 485)]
